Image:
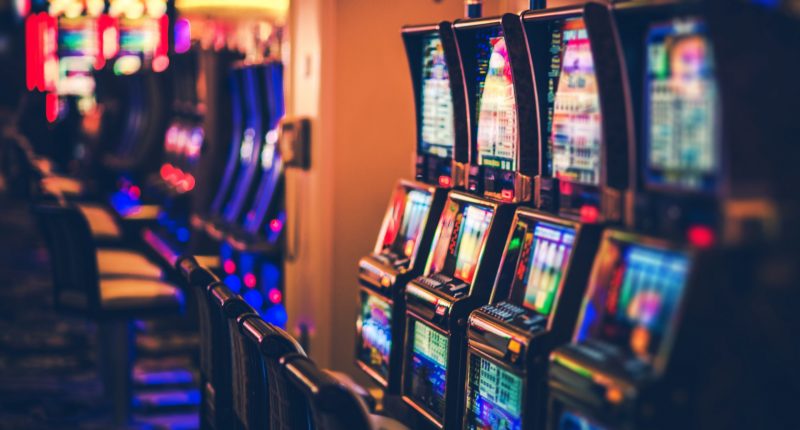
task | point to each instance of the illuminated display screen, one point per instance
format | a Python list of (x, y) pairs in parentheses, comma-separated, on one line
[(543, 262), (438, 136), (376, 333), (496, 107), (494, 397), (682, 106), (574, 120), (417, 205), (428, 368), (460, 238), (634, 294), (77, 49), (572, 421), (138, 36)]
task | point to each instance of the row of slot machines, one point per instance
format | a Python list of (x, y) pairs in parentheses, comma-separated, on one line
[(578, 171), (219, 187)]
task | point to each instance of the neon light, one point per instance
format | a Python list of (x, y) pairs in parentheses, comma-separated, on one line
[(127, 65), (234, 283), (701, 236), (275, 225), (183, 234), (160, 63), (229, 267), (51, 107), (254, 298), (250, 280), (135, 192), (589, 214), (183, 35), (276, 315), (275, 296), (445, 181)]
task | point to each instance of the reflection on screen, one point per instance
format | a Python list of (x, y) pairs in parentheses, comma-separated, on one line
[(575, 129), (573, 421), (682, 93), (438, 136), (471, 238), (376, 333), (543, 262), (428, 368), (417, 204), (497, 111), (494, 397), (635, 290)]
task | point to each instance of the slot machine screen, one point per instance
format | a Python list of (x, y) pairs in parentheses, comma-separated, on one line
[(428, 367), (543, 261), (681, 107), (460, 238), (437, 134), (77, 48), (415, 211), (573, 421), (494, 396), (496, 105), (574, 132), (635, 291), (376, 333)]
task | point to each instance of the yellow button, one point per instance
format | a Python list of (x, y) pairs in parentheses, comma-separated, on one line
[(514, 346)]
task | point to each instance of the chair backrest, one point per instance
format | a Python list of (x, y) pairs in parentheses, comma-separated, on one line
[(72, 255), (288, 408), (200, 279), (248, 389), (332, 406)]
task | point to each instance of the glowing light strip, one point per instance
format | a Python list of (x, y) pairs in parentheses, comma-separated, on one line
[(269, 7)]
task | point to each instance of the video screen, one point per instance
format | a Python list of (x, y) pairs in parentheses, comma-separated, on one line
[(681, 107), (437, 134), (574, 118), (496, 107), (460, 238), (417, 205), (572, 421), (634, 293), (376, 333), (428, 368), (544, 260), (77, 50), (494, 396)]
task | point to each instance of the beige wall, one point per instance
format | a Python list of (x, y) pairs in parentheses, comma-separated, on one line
[(349, 73)]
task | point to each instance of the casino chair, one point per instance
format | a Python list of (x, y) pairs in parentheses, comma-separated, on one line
[(332, 404), (110, 289)]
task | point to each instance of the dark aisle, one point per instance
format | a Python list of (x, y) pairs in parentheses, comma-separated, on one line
[(48, 366)]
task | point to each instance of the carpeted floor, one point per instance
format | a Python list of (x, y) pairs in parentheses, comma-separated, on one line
[(48, 366)]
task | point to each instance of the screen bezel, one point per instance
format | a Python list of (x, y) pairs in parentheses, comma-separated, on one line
[(661, 357), (471, 352)]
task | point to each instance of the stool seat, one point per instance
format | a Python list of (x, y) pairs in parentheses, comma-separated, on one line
[(138, 293), (62, 185), (125, 263), (101, 221)]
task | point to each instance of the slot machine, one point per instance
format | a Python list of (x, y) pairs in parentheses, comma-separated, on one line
[(548, 256), (643, 345), (136, 97), (469, 238), (408, 226), (252, 249)]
